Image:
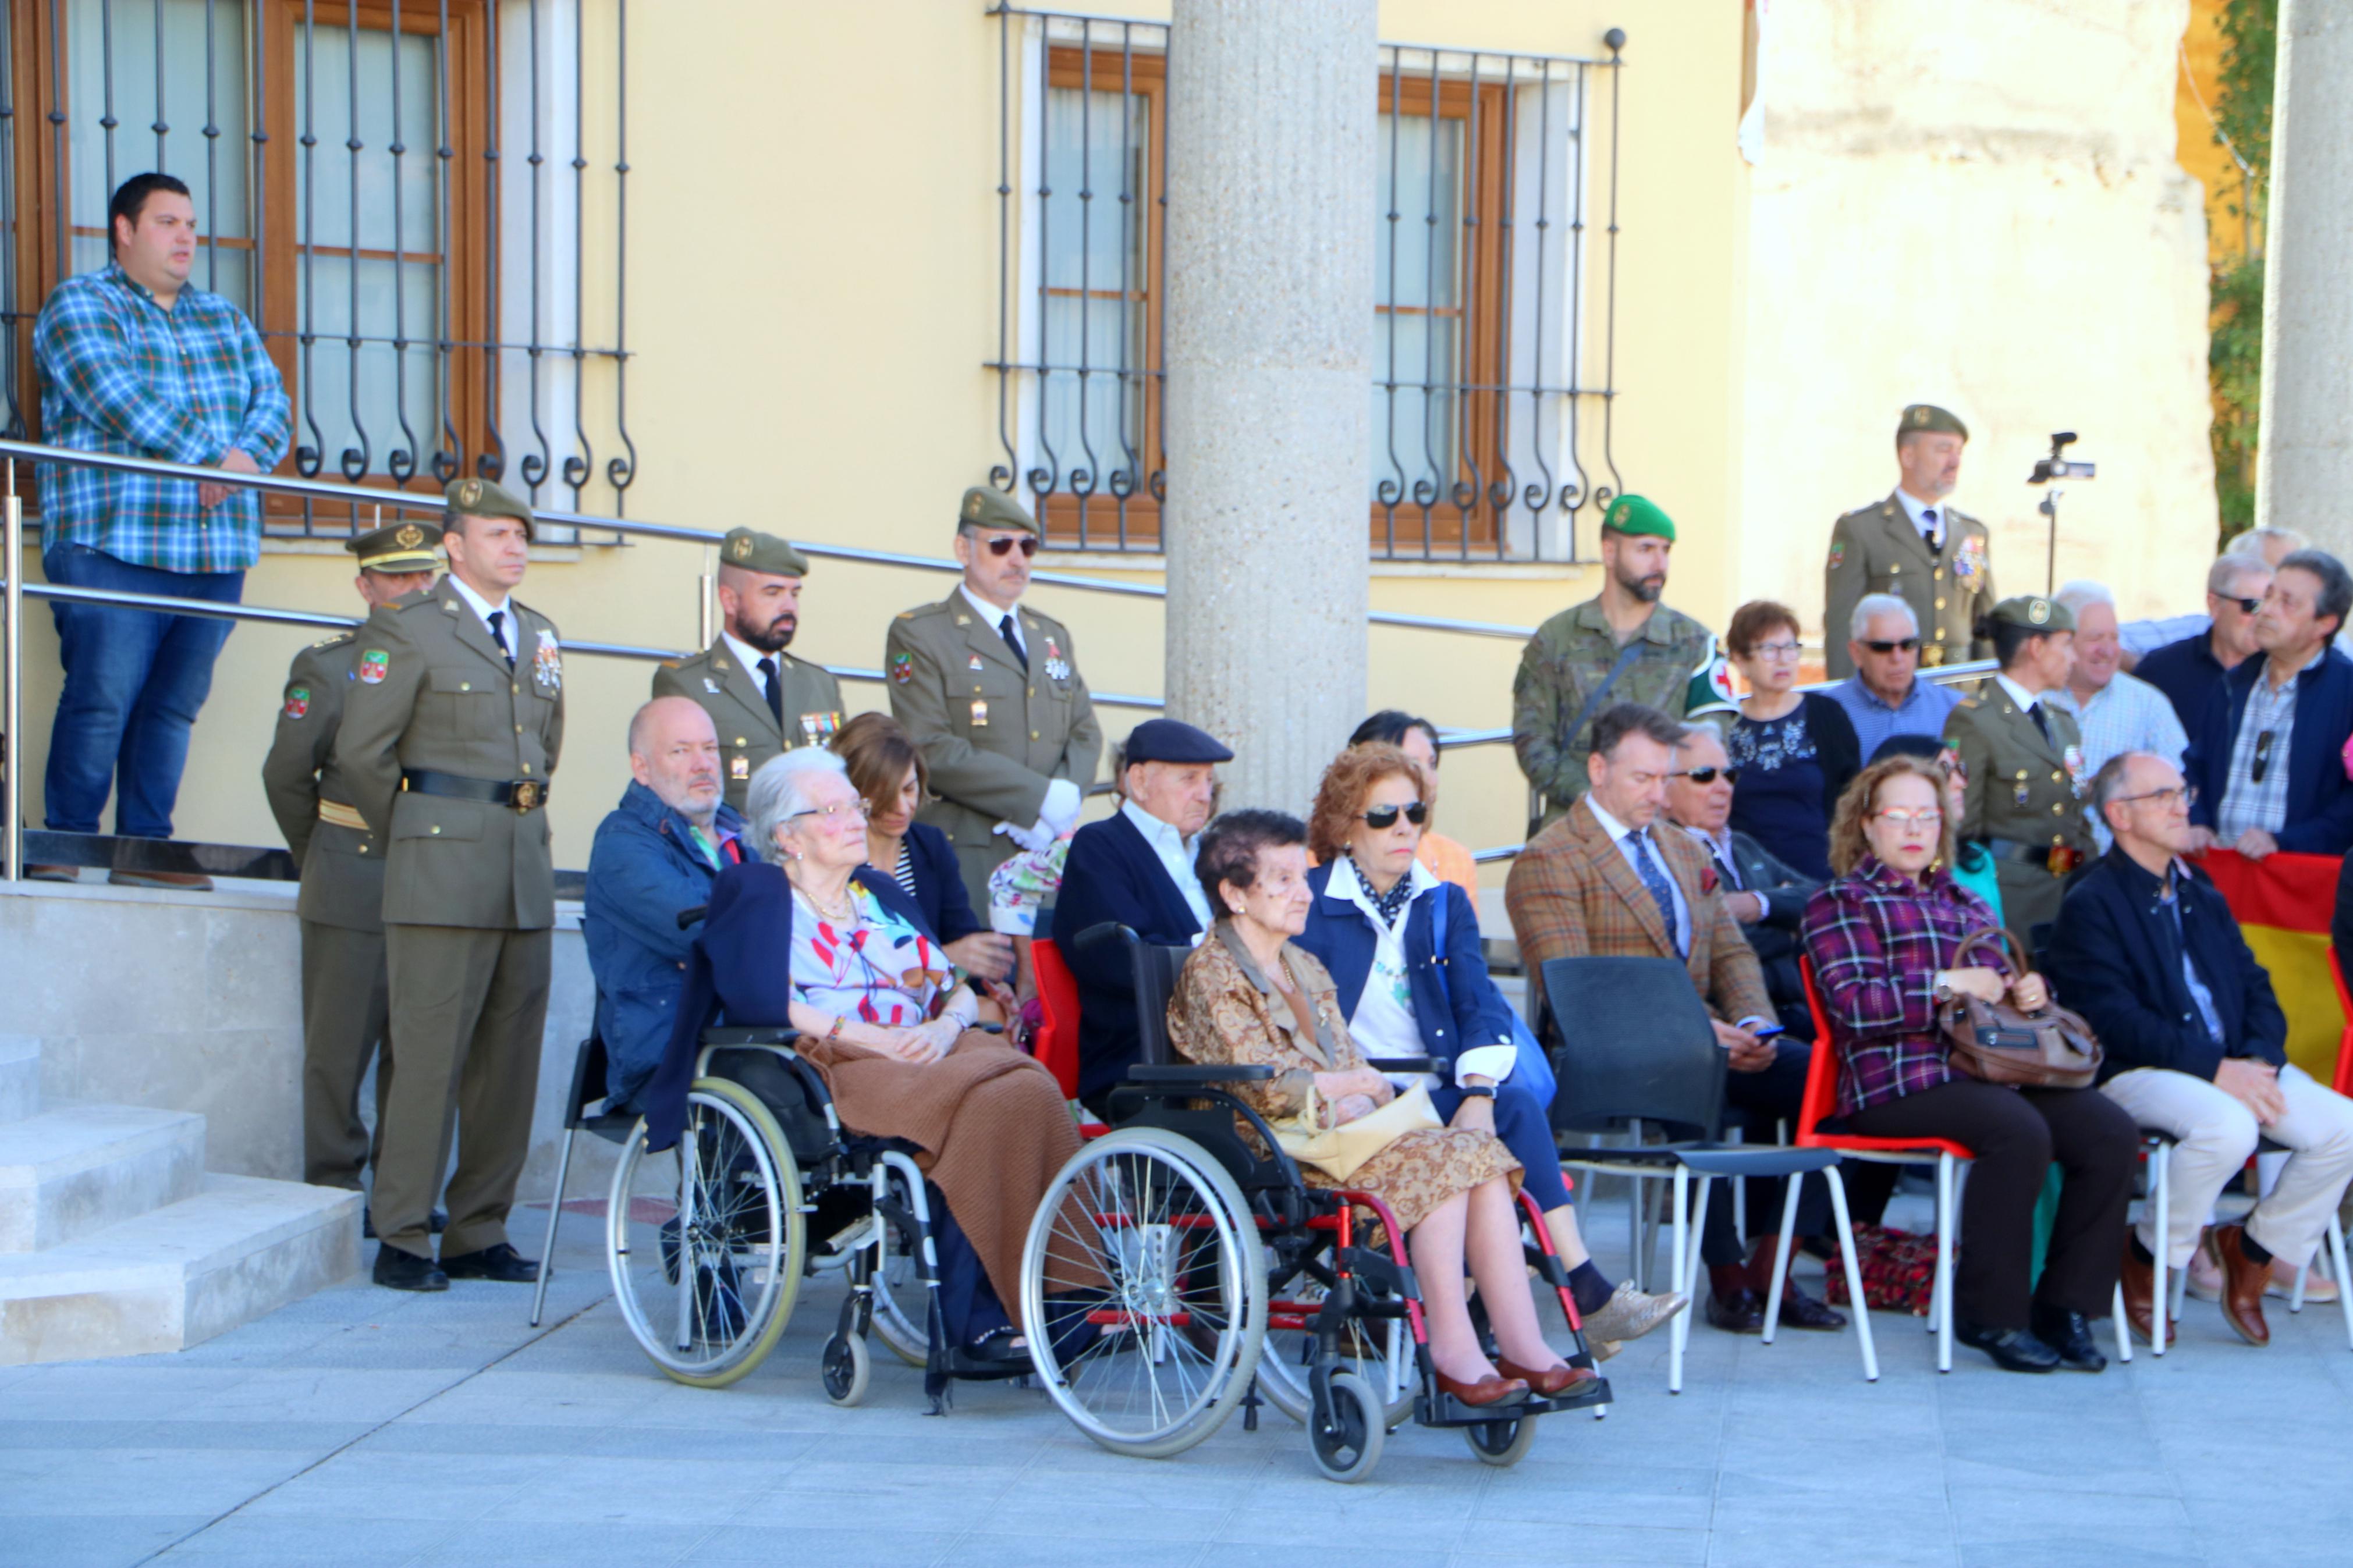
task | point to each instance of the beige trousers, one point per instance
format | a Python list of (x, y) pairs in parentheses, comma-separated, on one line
[(2215, 1134)]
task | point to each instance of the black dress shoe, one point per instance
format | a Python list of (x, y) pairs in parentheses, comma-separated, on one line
[(2070, 1336), (2012, 1349), (438, 1224), (1801, 1310), (1738, 1311), (398, 1271), (502, 1262)]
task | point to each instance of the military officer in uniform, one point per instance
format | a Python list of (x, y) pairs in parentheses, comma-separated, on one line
[(1622, 646), (761, 700), (1914, 546), (990, 692), (346, 1000), (2025, 763), (452, 726)]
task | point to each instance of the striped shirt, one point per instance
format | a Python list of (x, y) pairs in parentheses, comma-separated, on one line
[(121, 374), (2127, 715)]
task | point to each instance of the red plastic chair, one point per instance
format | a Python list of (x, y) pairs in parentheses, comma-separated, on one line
[(1058, 997)]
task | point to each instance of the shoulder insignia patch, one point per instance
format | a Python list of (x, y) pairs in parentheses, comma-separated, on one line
[(903, 669), (298, 703), (374, 665), (1837, 553)]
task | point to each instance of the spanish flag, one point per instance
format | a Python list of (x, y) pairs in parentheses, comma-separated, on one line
[(2283, 903)]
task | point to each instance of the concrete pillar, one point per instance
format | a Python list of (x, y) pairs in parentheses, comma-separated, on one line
[(2304, 472), (1270, 268)]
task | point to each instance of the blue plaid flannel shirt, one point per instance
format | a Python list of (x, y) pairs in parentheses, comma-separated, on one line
[(120, 373)]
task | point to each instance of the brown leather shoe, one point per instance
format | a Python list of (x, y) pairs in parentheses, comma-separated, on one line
[(2139, 1280), (1488, 1390), (1553, 1382), (2242, 1285)]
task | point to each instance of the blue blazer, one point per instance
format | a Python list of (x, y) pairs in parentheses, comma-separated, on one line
[(1111, 873), (737, 973), (2319, 796), (1454, 1000), (939, 884), (2114, 958)]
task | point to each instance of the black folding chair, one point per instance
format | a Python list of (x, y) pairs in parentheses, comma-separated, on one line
[(1637, 1047), (586, 1109)]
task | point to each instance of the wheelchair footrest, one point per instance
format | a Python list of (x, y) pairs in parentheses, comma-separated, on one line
[(1435, 1408), (970, 1368)]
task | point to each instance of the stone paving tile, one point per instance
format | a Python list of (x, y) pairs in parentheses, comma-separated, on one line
[(880, 1544), (363, 1540), (89, 1541), (1571, 1538), (206, 1482)]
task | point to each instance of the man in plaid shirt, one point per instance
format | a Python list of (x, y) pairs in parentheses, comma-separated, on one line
[(136, 362)]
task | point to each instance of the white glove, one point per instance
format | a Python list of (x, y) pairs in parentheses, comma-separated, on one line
[(1038, 839), (1059, 813)]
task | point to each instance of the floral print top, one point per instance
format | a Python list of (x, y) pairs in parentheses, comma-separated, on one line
[(880, 970)]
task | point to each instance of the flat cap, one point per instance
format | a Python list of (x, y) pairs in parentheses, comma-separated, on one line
[(1169, 741), (403, 547), (2035, 612), (1928, 416), (1639, 514), (985, 506), (756, 551), (487, 498)]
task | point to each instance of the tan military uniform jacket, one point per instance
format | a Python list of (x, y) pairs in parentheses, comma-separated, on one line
[(748, 735), (992, 737), (433, 691), (2022, 788), (1876, 550), (342, 865)]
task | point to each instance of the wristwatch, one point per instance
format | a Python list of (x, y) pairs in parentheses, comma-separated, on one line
[(1479, 1091)]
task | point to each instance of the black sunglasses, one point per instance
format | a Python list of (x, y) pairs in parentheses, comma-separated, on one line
[(1706, 775), (1905, 644), (1004, 546), (2263, 757), (2246, 607), (1385, 816)]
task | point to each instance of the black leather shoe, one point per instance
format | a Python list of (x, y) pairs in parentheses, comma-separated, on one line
[(1801, 1310), (440, 1223), (2012, 1349), (398, 1271), (502, 1262), (2070, 1336), (1740, 1311)]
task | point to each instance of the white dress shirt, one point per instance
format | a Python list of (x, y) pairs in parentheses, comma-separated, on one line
[(2025, 700), (995, 616), (484, 608), (1917, 510), (1618, 835), (1385, 1022), (1176, 857)]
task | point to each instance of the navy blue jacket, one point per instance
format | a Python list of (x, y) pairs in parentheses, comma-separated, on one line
[(2189, 675), (643, 868), (1454, 1000), (737, 973), (939, 884), (2114, 958), (2319, 795), (1111, 873)]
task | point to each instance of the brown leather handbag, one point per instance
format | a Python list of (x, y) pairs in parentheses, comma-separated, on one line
[(1997, 1042)]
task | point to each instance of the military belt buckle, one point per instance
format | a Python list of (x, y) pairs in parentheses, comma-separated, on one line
[(527, 797), (2064, 858)]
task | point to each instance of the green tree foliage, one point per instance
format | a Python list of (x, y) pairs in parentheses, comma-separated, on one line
[(2234, 358)]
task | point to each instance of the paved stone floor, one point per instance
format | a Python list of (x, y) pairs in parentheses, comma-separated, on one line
[(361, 1427)]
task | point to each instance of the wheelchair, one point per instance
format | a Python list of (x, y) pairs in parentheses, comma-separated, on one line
[(1172, 1276), (764, 1188)]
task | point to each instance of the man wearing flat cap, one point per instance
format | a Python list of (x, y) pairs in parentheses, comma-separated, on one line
[(1915, 547), (989, 692), (346, 997), (1622, 646), (761, 700), (2025, 763), (451, 728), (1135, 868)]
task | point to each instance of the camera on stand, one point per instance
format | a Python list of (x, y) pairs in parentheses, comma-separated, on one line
[(2057, 465)]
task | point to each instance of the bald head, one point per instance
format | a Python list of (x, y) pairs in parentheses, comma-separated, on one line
[(674, 752)]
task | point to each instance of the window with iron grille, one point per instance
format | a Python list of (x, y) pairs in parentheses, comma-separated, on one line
[(392, 189), (1491, 337)]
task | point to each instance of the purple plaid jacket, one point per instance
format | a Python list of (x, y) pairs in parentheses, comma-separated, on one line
[(1876, 942)]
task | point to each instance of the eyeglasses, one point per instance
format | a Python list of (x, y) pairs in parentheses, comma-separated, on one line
[(2263, 757), (1778, 649), (1953, 768), (1901, 645), (1385, 816), (2167, 797), (1026, 542), (1911, 818), (1707, 775), (833, 813), (2246, 607)]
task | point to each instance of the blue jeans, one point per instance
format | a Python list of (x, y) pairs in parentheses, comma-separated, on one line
[(133, 683)]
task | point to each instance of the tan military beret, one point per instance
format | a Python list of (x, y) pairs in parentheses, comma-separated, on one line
[(1928, 418), (985, 506), (2035, 612), (756, 551), (486, 497)]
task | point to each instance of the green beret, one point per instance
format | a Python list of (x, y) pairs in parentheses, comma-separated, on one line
[(1639, 514), (2035, 612), (985, 506), (486, 497), (757, 552), (1928, 416), (401, 548)]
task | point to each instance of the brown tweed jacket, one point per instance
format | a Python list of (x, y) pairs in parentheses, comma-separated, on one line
[(1571, 895)]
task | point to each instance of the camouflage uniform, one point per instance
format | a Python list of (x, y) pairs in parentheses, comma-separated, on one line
[(1566, 662)]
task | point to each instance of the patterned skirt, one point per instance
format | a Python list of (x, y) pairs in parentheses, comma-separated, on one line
[(1416, 1175)]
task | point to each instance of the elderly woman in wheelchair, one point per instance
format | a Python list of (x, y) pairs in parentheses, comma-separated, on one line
[(850, 1055)]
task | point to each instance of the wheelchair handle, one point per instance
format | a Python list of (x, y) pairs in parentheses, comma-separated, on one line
[(689, 917)]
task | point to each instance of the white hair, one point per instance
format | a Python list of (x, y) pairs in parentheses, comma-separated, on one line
[(780, 792), (2084, 592), (1875, 604), (2251, 541)]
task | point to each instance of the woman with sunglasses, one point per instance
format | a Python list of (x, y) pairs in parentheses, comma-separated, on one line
[(1404, 950), (1791, 751)]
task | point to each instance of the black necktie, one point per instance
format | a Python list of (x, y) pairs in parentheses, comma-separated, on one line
[(2034, 711), (1935, 535), (499, 635), (774, 689), (1013, 642)]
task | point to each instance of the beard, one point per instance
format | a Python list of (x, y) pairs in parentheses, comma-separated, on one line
[(774, 638), (1646, 589)]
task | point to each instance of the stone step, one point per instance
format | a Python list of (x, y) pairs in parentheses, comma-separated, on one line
[(77, 1169), (178, 1275), (20, 1077)]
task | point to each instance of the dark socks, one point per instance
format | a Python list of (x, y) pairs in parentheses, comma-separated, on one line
[(2252, 1248), (1590, 1287), (2140, 1254)]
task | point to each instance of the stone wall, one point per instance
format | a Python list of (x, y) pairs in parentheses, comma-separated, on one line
[(1976, 203)]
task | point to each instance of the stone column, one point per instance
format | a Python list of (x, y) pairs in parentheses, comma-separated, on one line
[(2304, 471), (1270, 300)]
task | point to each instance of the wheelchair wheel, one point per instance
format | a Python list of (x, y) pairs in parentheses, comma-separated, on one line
[(1379, 1350), (1144, 1291), (845, 1368), (1501, 1442), (1349, 1447), (709, 1298), (900, 1310)]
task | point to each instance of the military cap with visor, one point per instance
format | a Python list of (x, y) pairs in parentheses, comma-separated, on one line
[(752, 551), (401, 548), (488, 498), (1172, 740), (2035, 613), (1927, 418), (1638, 515), (985, 506)]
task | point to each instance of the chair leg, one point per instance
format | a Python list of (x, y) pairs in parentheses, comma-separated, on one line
[(2123, 1329), (1948, 1222), (1739, 1194), (1681, 1328), (547, 1246), (1789, 1235), (1856, 1303), (2160, 1180)]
